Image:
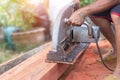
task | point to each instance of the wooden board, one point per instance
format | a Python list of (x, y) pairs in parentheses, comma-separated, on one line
[(17, 60), (35, 68)]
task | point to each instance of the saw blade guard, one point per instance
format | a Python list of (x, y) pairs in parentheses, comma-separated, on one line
[(60, 28)]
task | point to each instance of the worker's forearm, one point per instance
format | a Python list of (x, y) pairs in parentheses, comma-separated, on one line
[(98, 6)]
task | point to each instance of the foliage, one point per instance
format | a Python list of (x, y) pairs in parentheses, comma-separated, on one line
[(3, 54), (6, 54), (85, 2), (16, 13)]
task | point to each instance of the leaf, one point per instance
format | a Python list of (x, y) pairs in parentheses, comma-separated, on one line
[(16, 13), (85, 2)]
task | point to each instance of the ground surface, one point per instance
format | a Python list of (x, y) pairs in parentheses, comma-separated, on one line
[(88, 67)]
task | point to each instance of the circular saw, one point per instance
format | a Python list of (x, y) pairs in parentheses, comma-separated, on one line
[(69, 42)]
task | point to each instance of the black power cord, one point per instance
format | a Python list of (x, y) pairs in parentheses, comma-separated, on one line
[(100, 54)]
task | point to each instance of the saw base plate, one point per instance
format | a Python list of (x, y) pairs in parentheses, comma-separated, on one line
[(56, 57)]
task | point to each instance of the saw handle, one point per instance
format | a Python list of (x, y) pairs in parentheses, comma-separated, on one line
[(90, 31), (89, 26)]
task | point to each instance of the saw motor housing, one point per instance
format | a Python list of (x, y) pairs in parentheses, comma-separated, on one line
[(85, 33)]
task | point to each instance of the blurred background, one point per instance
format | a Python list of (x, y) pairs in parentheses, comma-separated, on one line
[(26, 24)]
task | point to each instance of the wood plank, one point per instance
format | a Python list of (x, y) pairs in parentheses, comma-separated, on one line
[(35, 68), (13, 62)]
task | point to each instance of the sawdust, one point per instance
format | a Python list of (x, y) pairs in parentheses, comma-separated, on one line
[(88, 68)]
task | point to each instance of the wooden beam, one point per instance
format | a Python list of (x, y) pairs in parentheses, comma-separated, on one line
[(10, 64), (35, 68)]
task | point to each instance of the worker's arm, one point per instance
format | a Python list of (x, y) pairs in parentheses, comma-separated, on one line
[(100, 5)]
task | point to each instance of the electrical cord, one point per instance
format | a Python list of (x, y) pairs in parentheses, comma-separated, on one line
[(100, 54)]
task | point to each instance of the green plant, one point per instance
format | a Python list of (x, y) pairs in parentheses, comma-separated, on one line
[(16, 13), (85, 2)]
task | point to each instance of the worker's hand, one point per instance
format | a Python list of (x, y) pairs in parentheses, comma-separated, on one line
[(76, 19)]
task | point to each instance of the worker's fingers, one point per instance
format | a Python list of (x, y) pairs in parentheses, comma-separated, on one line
[(76, 23), (73, 24), (67, 21), (76, 19), (80, 23)]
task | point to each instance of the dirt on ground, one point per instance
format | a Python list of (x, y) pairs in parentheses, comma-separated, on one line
[(88, 67)]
